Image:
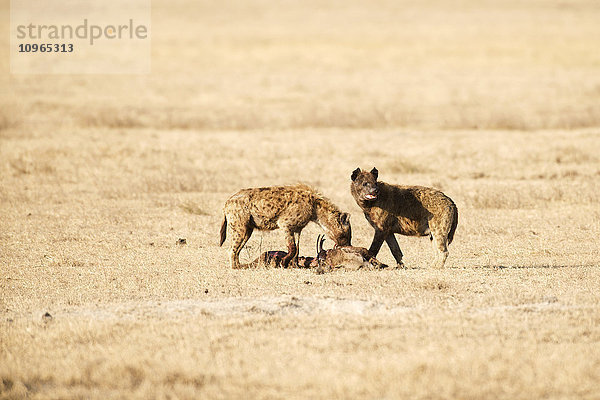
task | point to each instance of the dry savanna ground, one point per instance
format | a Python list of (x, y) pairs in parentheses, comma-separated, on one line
[(100, 176)]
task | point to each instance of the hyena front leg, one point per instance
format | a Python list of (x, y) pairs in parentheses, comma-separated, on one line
[(395, 249), (241, 234), (292, 255), (378, 238), (297, 241)]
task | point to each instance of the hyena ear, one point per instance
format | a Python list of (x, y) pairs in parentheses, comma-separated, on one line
[(375, 173), (355, 174), (345, 219)]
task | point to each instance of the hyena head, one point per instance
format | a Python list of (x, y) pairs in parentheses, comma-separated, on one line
[(342, 235), (364, 187)]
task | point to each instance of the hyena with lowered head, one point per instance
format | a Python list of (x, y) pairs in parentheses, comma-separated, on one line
[(407, 210), (289, 208)]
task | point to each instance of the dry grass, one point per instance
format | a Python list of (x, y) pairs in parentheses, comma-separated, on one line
[(357, 64), (93, 242), (401, 166), (100, 176), (193, 208)]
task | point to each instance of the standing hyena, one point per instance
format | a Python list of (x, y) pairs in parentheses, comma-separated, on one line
[(290, 208), (407, 210)]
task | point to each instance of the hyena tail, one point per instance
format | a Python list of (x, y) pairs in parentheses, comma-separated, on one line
[(223, 230), (454, 223)]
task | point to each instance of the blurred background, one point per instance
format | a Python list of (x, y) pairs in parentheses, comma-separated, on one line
[(432, 64)]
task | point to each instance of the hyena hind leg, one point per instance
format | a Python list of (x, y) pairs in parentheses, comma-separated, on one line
[(440, 243), (239, 239)]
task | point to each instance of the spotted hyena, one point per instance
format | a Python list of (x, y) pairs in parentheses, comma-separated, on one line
[(407, 210), (289, 208)]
